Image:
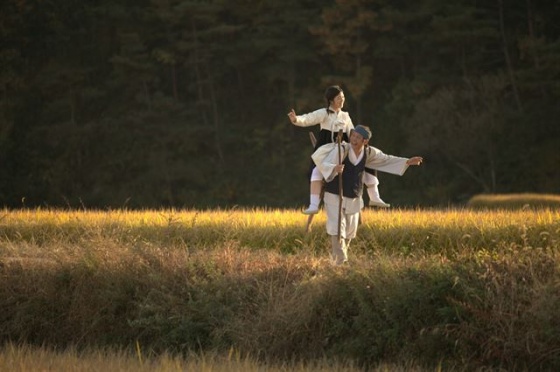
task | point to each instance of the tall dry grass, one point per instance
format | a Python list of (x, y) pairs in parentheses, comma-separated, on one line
[(514, 201), (17, 358), (439, 288)]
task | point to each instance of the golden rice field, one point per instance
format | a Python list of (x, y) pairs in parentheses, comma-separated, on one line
[(455, 289), (403, 231)]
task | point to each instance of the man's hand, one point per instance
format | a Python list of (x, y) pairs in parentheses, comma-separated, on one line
[(339, 168)]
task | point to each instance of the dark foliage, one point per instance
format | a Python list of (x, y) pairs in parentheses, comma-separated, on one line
[(177, 103)]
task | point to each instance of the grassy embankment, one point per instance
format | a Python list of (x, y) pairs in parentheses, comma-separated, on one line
[(455, 289)]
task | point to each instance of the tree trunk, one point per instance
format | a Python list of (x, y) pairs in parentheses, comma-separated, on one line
[(507, 57), (359, 96), (533, 38), (198, 77), (147, 92), (216, 121), (174, 81)]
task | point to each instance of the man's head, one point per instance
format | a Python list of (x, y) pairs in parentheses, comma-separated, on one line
[(359, 137), (361, 132)]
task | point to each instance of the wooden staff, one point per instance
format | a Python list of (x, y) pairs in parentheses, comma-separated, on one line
[(340, 196), (310, 217)]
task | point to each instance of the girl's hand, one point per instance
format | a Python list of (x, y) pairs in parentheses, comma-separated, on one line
[(293, 117), (417, 160)]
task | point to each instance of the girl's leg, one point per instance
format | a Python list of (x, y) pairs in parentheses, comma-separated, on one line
[(373, 192), (315, 187)]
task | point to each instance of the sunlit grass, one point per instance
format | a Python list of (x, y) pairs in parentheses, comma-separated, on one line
[(25, 358), (442, 230), (514, 201)]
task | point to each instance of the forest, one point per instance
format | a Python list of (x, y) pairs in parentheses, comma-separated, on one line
[(183, 104)]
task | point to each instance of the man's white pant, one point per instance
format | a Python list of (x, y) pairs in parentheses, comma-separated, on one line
[(339, 249), (348, 222), (348, 229)]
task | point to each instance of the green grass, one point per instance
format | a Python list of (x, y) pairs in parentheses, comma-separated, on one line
[(426, 289)]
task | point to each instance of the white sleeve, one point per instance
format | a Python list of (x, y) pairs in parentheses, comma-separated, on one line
[(312, 118), (326, 158), (376, 159)]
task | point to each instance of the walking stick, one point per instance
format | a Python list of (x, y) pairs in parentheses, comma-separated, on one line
[(312, 139), (310, 217), (340, 196)]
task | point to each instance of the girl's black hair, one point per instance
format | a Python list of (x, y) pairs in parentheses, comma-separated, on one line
[(332, 92)]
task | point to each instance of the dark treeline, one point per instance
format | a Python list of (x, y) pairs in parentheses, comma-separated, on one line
[(170, 103)]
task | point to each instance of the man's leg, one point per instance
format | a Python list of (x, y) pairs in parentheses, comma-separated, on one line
[(339, 250)]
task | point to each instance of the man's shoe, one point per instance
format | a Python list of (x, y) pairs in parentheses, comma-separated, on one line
[(379, 203), (311, 210)]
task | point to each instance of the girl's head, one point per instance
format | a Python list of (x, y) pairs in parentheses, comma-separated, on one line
[(334, 97)]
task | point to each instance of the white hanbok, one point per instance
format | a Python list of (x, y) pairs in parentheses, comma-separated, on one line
[(326, 158)]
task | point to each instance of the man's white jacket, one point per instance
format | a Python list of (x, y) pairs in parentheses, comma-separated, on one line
[(326, 158)]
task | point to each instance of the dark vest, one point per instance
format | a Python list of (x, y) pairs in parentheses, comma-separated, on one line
[(352, 178)]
